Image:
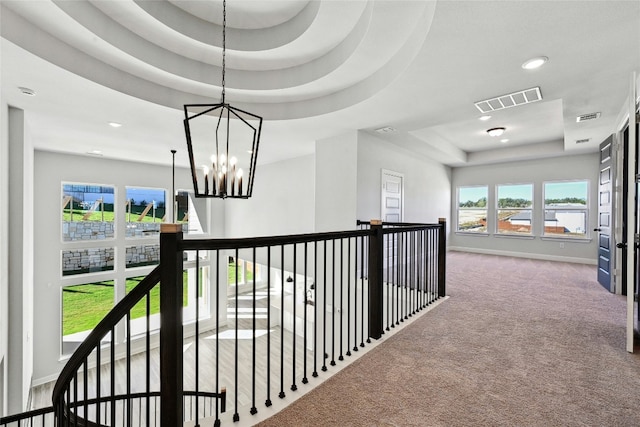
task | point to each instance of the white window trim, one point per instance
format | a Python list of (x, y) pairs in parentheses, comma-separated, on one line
[(579, 239)]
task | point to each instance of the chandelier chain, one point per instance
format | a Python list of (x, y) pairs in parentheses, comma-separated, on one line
[(224, 44)]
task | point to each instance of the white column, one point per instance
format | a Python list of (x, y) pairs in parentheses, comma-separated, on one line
[(20, 265)]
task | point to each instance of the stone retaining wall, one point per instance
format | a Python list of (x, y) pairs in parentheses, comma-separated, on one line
[(87, 230), (90, 260), (142, 255)]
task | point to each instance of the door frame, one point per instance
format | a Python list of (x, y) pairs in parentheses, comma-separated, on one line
[(384, 172), (632, 213)]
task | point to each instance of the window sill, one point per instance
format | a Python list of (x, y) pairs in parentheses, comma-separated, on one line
[(514, 236), (472, 233), (567, 239)]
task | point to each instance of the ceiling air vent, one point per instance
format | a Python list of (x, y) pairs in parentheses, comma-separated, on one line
[(514, 99), (582, 141), (585, 117)]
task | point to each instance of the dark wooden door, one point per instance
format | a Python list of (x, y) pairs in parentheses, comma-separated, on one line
[(605, 193)]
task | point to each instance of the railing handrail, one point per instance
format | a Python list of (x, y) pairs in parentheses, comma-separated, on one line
[(401, 224), (264, 241), (102, 328), (25, 415), (259, 242)]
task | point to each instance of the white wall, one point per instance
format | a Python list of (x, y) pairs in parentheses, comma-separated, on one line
[(427, 184), (51, 170), (536, 171), (336, 182), (283, 201)]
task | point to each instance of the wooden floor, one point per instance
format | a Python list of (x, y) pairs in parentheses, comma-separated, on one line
[(271, 365), (255, 382)]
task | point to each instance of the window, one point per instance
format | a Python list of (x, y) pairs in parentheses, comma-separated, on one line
[(566, 208), (513, 212), (87, 212), (472, 209), (145, 210), (188, 211), (83, 306)]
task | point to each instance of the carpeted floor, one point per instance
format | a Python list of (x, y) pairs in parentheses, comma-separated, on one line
[(519, 343)]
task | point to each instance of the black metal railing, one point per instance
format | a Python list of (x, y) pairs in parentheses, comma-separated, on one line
[(104, 385), (311, 301), (37, 418)]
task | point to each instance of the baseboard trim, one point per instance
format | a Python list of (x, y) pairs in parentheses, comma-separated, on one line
[(544, 257)]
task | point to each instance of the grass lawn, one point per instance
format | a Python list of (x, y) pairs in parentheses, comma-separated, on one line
[(83, 306), (108, 216)]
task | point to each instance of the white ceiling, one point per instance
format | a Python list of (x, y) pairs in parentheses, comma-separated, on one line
[(314, 69)]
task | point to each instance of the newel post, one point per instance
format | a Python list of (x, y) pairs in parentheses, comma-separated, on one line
[(171, 385), (376, 303), (442, 257)]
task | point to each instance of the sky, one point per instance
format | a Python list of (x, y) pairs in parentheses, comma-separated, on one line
[(553, 190), (137, 194)]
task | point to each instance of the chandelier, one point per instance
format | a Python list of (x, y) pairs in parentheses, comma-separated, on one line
[(222, 142)]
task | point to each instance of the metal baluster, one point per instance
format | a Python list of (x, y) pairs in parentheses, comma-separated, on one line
[(236, 415), (414, 278), (333, 302), (432, 268), (217, 314), (349, 297), (75, 392), (387, 249), (362, 255), (75, 397), (268, 401), (254, 410), (396, 271), (305, 380), (197, 337), (128, 356), (362, 292), (355, 293), (294, 387), (97, 404), (85, 387), (112, 349), (148, 354), (315, 308), (341, 357), (405, 238), (282, 395), (324, 310)]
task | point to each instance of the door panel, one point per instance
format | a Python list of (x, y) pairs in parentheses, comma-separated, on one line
[(391, 197), (605, 188)]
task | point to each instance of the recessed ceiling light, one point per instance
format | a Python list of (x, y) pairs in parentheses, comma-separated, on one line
[(27, 91), (504, 140), (484, 118), (534, 63), (495, 131), (115, 124), (386, 129), (95, 152)]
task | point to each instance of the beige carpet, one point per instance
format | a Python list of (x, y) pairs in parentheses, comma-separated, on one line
[(519, 343)]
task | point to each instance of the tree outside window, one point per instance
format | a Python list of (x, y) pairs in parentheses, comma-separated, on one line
[(514, 209), (472, 209), (566, 208)]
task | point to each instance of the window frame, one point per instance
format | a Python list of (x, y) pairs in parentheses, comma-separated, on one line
[(458, 209), (586, 236), (498, 209)]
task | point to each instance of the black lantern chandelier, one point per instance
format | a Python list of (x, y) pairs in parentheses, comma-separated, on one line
[(223, 162)]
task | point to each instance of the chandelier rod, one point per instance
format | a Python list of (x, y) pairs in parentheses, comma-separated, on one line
[(224, 44)]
